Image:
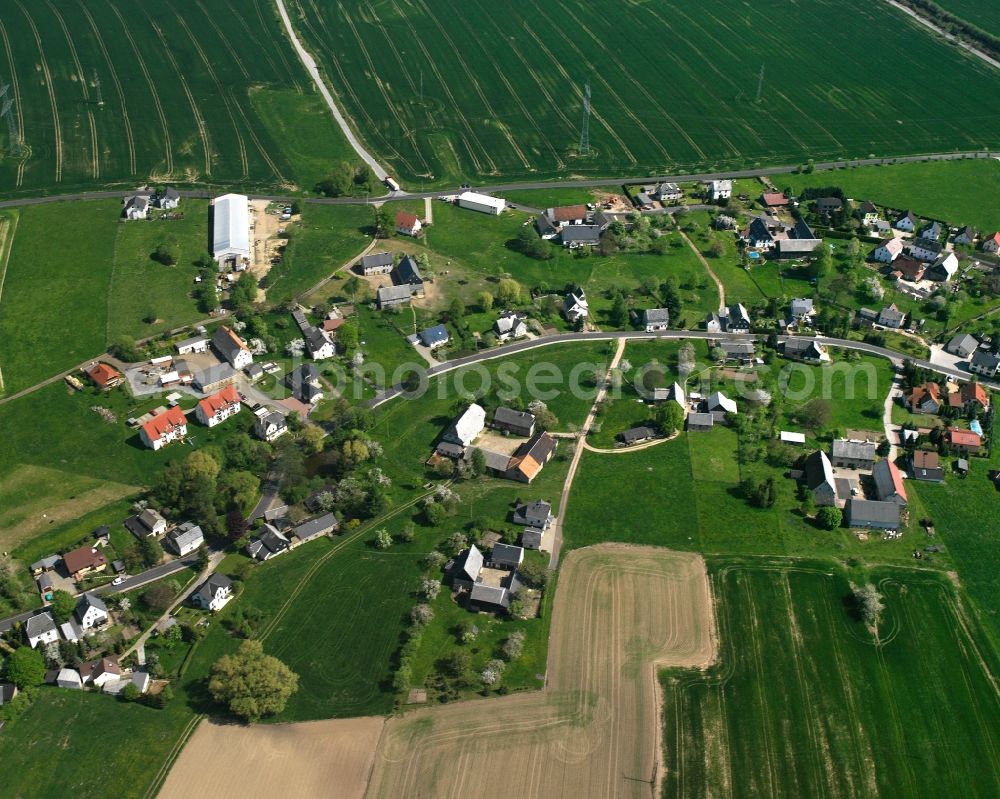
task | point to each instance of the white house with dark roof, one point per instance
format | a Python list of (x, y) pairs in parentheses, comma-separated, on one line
[(907, 222), (888, 251), (137, 205), (146, 524), (91, 612), (852, 454), (656, 319), (984, 363), (575, 306), (891, 316), (925, 249), (534, 514), (268, 543), (518, 423), (314, 528), (807, 350), (963, 345), (510, 325), (168, 199), (376, 263), (943, 269), (231, 347), (185, 539), (269, 425), (214, 593), (41, 629), (434, 337), (819, 479)]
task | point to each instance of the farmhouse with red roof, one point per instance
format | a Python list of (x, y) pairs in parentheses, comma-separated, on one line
[(170, 425), (218, 407)]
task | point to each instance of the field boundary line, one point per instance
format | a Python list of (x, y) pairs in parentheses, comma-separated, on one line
[(172, 755), (234, 52), (57, 126), (168, 147), (95, 150), (199, 121), (250, 34), (118, 85)]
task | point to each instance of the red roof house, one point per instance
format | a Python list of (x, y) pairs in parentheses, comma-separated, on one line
[(83, 561), (219, 406), (407, 224), (964, 439), (171, 425), (105, 377), (774, 199)]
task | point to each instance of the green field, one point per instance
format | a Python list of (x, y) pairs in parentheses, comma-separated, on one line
[(802, 703), (984, 14), (447, 113), (175, 80), (958, 192)]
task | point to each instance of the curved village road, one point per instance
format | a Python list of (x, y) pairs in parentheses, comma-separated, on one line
[(505, 350), (206, 194)]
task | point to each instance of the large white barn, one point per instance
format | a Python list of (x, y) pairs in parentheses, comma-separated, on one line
[(481, 202), (231, 233)]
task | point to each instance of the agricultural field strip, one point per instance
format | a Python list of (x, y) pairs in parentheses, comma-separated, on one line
[(221, 92), (345, 89), (129, 135), (474, 82), (199, 120), (95, 153), (275, 41), (8, 229), (164, 127), (569, 80), (546, 140), (596, 724), (17, 93), (51, 92)]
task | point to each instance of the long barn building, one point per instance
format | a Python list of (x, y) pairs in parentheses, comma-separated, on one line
[(231, 228)]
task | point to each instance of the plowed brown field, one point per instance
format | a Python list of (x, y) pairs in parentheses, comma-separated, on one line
[(594, 730)]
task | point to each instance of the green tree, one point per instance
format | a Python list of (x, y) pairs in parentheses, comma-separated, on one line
[(236, 525), (150, 551), (619, 311), (509, 291), (478, 462), (485, 301), (63, 605), (829, 518), (456, 310), (869, 602), (384, 226), (669, 417), (26, 667), (252, 684), (130, 693), (237, 489), (164, 255), (383, 539), (347, 338)]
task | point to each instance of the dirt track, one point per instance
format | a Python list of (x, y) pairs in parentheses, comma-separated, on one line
[(313, 759), (594, 730)]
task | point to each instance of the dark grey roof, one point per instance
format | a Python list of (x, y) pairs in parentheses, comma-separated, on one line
[(434, 335), (758, 230), (932, 230), (882, 475), (49, 562), (318, 526), (377, 259), (737, 347), (39, 623), (581, 234), (829, 203), (819, 471), (393, 294), (963, 341), (506, 555), (535, 514), (853, 450), (268, 539), (407, 271), (304, 373), (800, 230), (212, 585), (927, 244), (90, 601), (656, 316), (634, 434), (701, 420), (449, 449), (866, 511), (508, 416), (985, 360), (490, 595), (802, 347), (214, 374), (185, 535), (314, 338)]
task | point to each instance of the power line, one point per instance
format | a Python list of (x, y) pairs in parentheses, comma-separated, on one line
[(97, 88), (13, 135), (760, 83)]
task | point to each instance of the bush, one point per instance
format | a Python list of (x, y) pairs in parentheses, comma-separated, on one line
[(829, 518), (513, 646)]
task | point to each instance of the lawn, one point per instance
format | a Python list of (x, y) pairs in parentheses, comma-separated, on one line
[(801, 703), (95, 110), (328, 237), (54, 307), (451, 116), (548, 198), (958, 192), (142, 289), (53, 746)]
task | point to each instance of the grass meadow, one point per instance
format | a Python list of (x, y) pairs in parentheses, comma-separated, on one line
[(983, 14), (185, 92), (958, 192), (803, 703), (448, 115)]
